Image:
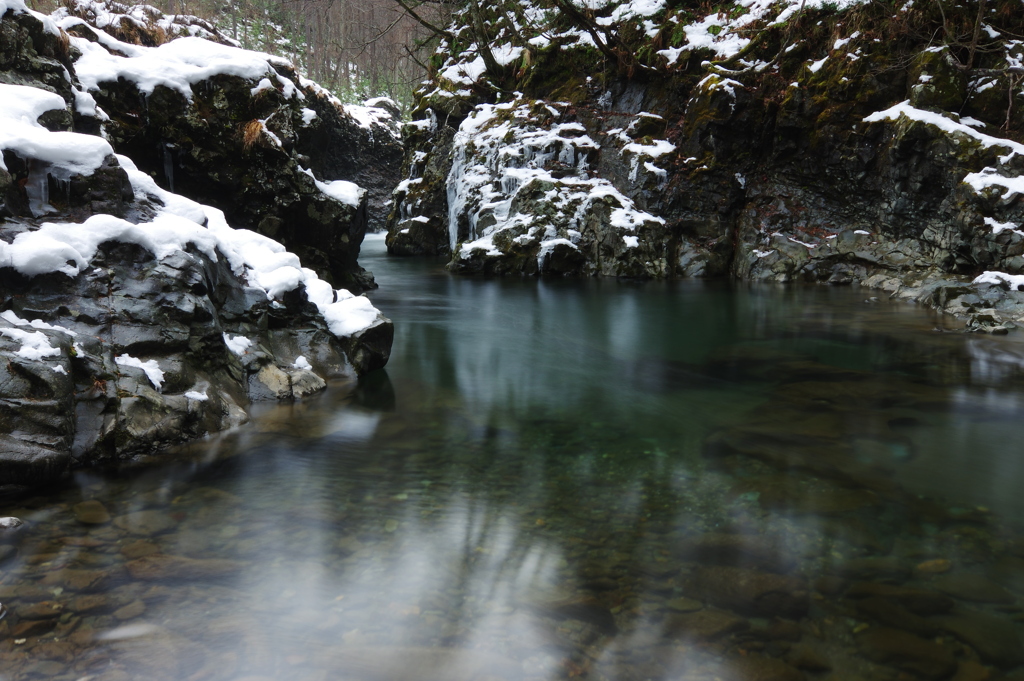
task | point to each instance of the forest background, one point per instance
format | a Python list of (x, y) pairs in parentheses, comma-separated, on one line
[(355, 48)]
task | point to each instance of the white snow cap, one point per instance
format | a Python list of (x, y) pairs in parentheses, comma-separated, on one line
[(20, 132), (150, 367)]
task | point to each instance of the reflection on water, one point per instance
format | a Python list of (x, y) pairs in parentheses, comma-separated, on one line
[(556, 480)]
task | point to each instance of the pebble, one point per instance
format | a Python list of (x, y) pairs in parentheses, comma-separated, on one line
[(130, 611), (91, 513), (40, 611), (704, 625), (139, 549), (146, 523), (918, 601), (907, 652), (934, 567), (969, 670), (971, 587), (996, 639), (758, 668), (683, 605), (749, 592), (163, 567)]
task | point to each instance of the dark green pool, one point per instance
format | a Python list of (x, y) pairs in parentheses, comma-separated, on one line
[(566, 479)]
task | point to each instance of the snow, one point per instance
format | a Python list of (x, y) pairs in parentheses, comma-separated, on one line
[(999, 227), (945, 124), (350, 314), (150, 367), (308, 116), (814, 67), (197, 396), (302, 363), (1014, 280), (237, 344), (70, 248), (501, 148), (348, 193), (34, 344), (631, 241), (13, 318), (990, 177), (178, 64), (20, 132)]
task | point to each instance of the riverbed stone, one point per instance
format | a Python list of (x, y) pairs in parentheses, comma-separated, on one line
[(918, 601), (760, 668), (739, 550), (40, 610), (973, 587), (906, 651), (891, 568), (749, 592), (161, 567), (146, 523), (892, 614), (995, 638), (683, 604), (91, 513), (138, 549), (128, 612), (704, 625)]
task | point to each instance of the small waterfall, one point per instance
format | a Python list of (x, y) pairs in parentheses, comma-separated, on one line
[(169, 166), (37, 187)]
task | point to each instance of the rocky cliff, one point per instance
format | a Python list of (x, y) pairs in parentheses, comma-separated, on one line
[(850, 142), (134, 311)]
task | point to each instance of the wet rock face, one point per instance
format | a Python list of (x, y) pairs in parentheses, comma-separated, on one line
[(214, 149), (114, 346), (30, 55), (333, 140), (82, 406)]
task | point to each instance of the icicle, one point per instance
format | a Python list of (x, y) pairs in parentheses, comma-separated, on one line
[(169, 166), (37, 187)]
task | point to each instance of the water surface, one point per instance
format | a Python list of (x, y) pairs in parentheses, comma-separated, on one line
[(565, 479)]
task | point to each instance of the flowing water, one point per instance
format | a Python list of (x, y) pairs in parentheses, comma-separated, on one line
[(565, 479)]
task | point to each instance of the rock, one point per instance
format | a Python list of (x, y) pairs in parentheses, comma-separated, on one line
[(890, 568), (10, 523), (72, 579), (131, 611), (683, 605), (934, 567), (145, 523), (91, 513), (809, 657), (890, 614), (739, 550), (40, 611), (83, 605), (996, 639), (704, 625), (370, 348), (919, 601), (584, 609), (969, 670), (28, 628), (749, 591), (971, 587), (139, 549), (161, 567), (759, 668), (907, 652), (80, 407)]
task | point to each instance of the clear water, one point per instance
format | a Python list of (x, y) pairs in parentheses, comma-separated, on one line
[(565, 479)]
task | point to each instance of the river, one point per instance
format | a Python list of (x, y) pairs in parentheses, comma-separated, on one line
[(560, 479)]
